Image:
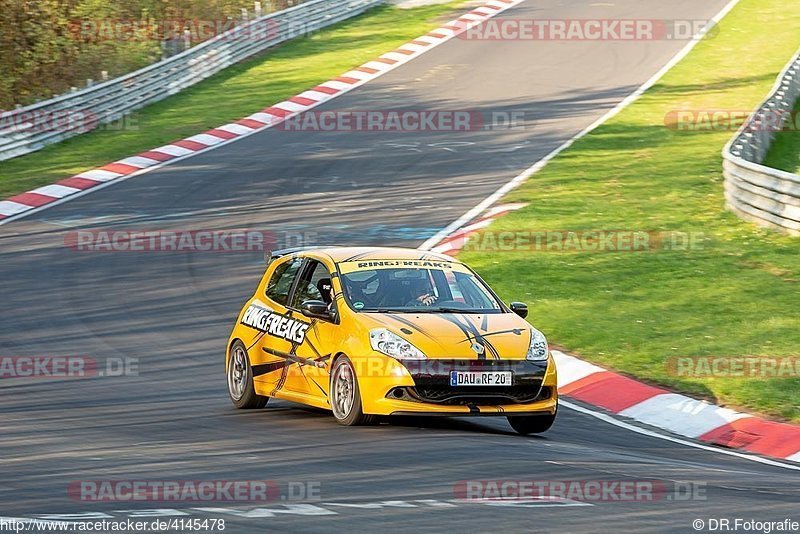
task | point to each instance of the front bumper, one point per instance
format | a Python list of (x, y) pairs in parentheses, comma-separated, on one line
[(423, 388)]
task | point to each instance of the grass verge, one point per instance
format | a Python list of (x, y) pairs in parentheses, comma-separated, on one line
[(738, 295), (232, 94)]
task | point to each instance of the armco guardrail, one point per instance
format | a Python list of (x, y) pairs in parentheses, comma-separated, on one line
[(30, 128), (765, 196)]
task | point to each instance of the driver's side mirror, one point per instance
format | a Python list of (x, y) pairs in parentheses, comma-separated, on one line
[(520, 308), (316, 309)]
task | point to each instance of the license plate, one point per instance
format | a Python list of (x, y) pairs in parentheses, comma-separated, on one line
[(480, 378)]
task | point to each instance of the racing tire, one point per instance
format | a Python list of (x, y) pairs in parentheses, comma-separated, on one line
[(239, 375), (345, 395), (532, 424)]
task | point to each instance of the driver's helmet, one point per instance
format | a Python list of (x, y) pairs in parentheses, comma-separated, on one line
[(354, 291)]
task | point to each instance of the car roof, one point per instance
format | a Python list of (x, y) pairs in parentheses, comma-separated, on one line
[(341, 254)]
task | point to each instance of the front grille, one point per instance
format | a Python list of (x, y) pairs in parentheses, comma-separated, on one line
[(448, 395), (432, 382)]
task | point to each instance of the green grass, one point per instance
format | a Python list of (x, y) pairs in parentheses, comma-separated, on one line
[(784, 154), (230, 95), (738, 295)]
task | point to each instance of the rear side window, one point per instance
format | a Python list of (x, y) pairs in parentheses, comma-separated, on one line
[(315, 284), (281, 281)]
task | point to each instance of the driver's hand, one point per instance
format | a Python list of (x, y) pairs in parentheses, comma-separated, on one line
[(427, 299)]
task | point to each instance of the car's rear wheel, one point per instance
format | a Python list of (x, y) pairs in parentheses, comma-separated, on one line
[(345, 395), (240, 379), (532, 424)]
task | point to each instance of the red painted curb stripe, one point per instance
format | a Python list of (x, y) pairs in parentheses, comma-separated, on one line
[(758, 436), (303, 101), (403, 51), (437, 35), (120, 168), (420, 43), (251, 123), (278, 112), (158, 156), (325, 89), (78, 183), (32, 199), (221, 133), (190, 145), (583, 382), (345, 79), (611, 391), (368, 70), (385, 60)]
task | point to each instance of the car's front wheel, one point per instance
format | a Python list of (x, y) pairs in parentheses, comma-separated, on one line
[(345, 395), (240, 379), (532, 424)]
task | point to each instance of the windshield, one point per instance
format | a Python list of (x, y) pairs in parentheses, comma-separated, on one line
[(417, 289)]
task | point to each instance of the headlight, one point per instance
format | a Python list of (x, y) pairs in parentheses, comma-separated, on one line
[(389, 343), (538, 349)]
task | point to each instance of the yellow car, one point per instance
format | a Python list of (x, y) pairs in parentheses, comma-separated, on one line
[(370, 332)]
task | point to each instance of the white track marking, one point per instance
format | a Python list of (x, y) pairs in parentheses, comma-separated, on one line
[(9, 207), (56, 190), (572, 369), (266, 118), (234, 128), (205, 139), (639, 430), (173, 150), (681, 415), (138, 161), (98, 175)]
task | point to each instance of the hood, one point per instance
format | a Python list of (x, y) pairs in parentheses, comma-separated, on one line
[(452, 335)]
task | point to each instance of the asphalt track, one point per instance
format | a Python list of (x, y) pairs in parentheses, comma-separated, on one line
[(173, 313)]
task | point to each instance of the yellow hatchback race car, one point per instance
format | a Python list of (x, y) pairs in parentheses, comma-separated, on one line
[(370, 332)]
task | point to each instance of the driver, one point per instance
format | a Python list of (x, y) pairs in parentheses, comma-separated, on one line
[(422, 294)]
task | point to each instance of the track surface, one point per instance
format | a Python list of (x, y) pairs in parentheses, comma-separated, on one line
[(174, 311)]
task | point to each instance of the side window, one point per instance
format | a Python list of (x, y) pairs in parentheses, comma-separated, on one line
[(280, 284), (314, 285)]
